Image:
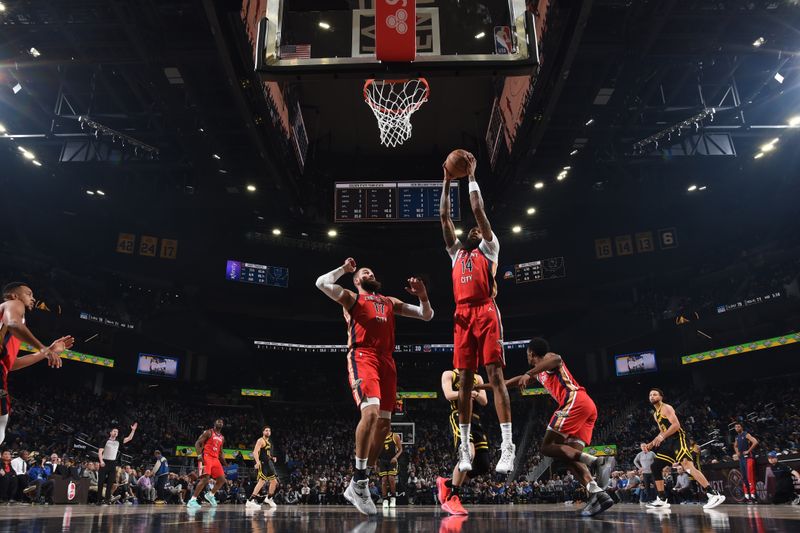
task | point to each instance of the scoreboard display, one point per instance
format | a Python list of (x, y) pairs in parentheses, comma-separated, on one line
[(551, 268), (392, 201), (257, 274)]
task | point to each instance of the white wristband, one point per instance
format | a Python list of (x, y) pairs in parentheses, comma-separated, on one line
[(473, 187)]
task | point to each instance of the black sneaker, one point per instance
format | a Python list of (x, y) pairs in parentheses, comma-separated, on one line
[(599, 502)]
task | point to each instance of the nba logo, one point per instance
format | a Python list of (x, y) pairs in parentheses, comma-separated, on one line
[(502, 40), (71, 491)]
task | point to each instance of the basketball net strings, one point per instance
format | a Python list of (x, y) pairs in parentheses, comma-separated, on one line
[(393, 103)]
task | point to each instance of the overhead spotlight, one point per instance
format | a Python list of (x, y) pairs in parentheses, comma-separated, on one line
[(692, 188), (251, 188), (90, 193), (276, 231), (34, 52), (758, 42), (481, 35), (703, 188), (332, 233), (22, 149), (516, 229), (28, 155), (215, 156), (2, 129), (459, 231), (759, 155), (589, 122), (531, 210), (574, 152), (2, 7), (567, 168), (223, 171), (201, 130), (561, 175), (16, 88), (778, 77), (101, 193), (324, 25), (793, 122), (35, 162), (767, 147), (538, 185)]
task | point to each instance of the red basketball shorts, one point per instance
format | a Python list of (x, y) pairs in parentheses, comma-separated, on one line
[(372, 376), (576, 417), (477, 336), (212, 467)]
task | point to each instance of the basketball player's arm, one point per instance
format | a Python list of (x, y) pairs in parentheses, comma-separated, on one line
[(753, 443), (58, 346), (447, 386), (14, 315), (327, 284), (448, 229), (480, 395), (129, 438), (674, 425), (423, 311), (476, 203), (222, 459), (735, 449), (399, 445), (256, 451), (201, 441)]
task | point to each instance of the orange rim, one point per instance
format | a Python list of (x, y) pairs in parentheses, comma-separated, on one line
[(384, 110)]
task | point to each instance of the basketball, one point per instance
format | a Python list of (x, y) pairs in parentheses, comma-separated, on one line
[(457, 163)]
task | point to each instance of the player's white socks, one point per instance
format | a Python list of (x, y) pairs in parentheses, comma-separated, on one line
[(361, 464), (464, 429), (587, 459), (592, 487), (505, 429)]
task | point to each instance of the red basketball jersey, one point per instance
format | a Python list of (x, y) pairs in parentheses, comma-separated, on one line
[(370, 323), (213, 445), (559, 383), (473, 277), (10, 347)]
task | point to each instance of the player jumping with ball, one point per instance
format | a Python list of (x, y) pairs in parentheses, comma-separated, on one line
[(478, 331)]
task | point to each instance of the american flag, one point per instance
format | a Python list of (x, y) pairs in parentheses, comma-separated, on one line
[(296, 51)]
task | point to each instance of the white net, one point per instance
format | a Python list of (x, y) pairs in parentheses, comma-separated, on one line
[(393, 102)]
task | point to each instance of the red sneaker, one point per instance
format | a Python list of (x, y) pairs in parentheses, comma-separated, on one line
[(444, 492), (454, 507)]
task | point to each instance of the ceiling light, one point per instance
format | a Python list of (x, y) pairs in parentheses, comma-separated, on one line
[(324, 25), (531, 210), (276, 231), (28, 155), (703, 188), (567, 168), (793, 122), (538, 185), (767, 147), (589, 122), (101, 193), (775, 140), (223, 171), (201, 130), (22, 149), (459, 231), (215, 156), (90, 193), (332, 233), (778, 77), (251, 188), (574, 152), (759, 155), (561, 175), (3, 128), (758, 42), (516, 229), (481, 35), (16, 88), (34, 52), (38, 164), (692, 188), (2, 7)]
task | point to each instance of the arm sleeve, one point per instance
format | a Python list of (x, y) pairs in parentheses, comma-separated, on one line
[(327, 284), (453, 250), (491, 249), (423, 311)]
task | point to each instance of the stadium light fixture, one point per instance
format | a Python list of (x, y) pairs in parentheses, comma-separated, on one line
[(768, 147), (531, 211), (324, 25), (90, 193), (332, 233), (251, 188), (758, 42), (28, 155), (759, 155), (34, 52), (779, 77), (2, 7), (216, 156), (459, 231), (516, 229), (22, 149), (589, 122), (793, 122), (703, 188), (16, 88), (35, 162), (481, 35), (575, 151), (3, 128), (566, 168), (561, 175), (538, 185), (101, 193), (276, 231), (692, 188)]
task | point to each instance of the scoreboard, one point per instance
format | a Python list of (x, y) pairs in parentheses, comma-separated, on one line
[(257, 274), (392, 201), (551, 268)]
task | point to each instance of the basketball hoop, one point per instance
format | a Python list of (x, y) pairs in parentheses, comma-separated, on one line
[(393, 102)]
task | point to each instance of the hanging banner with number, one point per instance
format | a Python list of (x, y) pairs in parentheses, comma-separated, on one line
[(602, 248), (126, 243), (169, 249), (147, 245), (624, 244)]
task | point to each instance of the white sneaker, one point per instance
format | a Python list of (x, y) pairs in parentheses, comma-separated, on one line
[(252, 504), (357, 493), (393, 502), (714, 500), (658, 503), (386, 503), (464, 460), (270, 502), (506, 463)]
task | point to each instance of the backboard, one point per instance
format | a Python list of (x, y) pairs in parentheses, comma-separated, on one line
[(301, 38)]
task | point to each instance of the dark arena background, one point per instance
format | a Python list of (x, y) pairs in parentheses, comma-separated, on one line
[(177, 177)]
